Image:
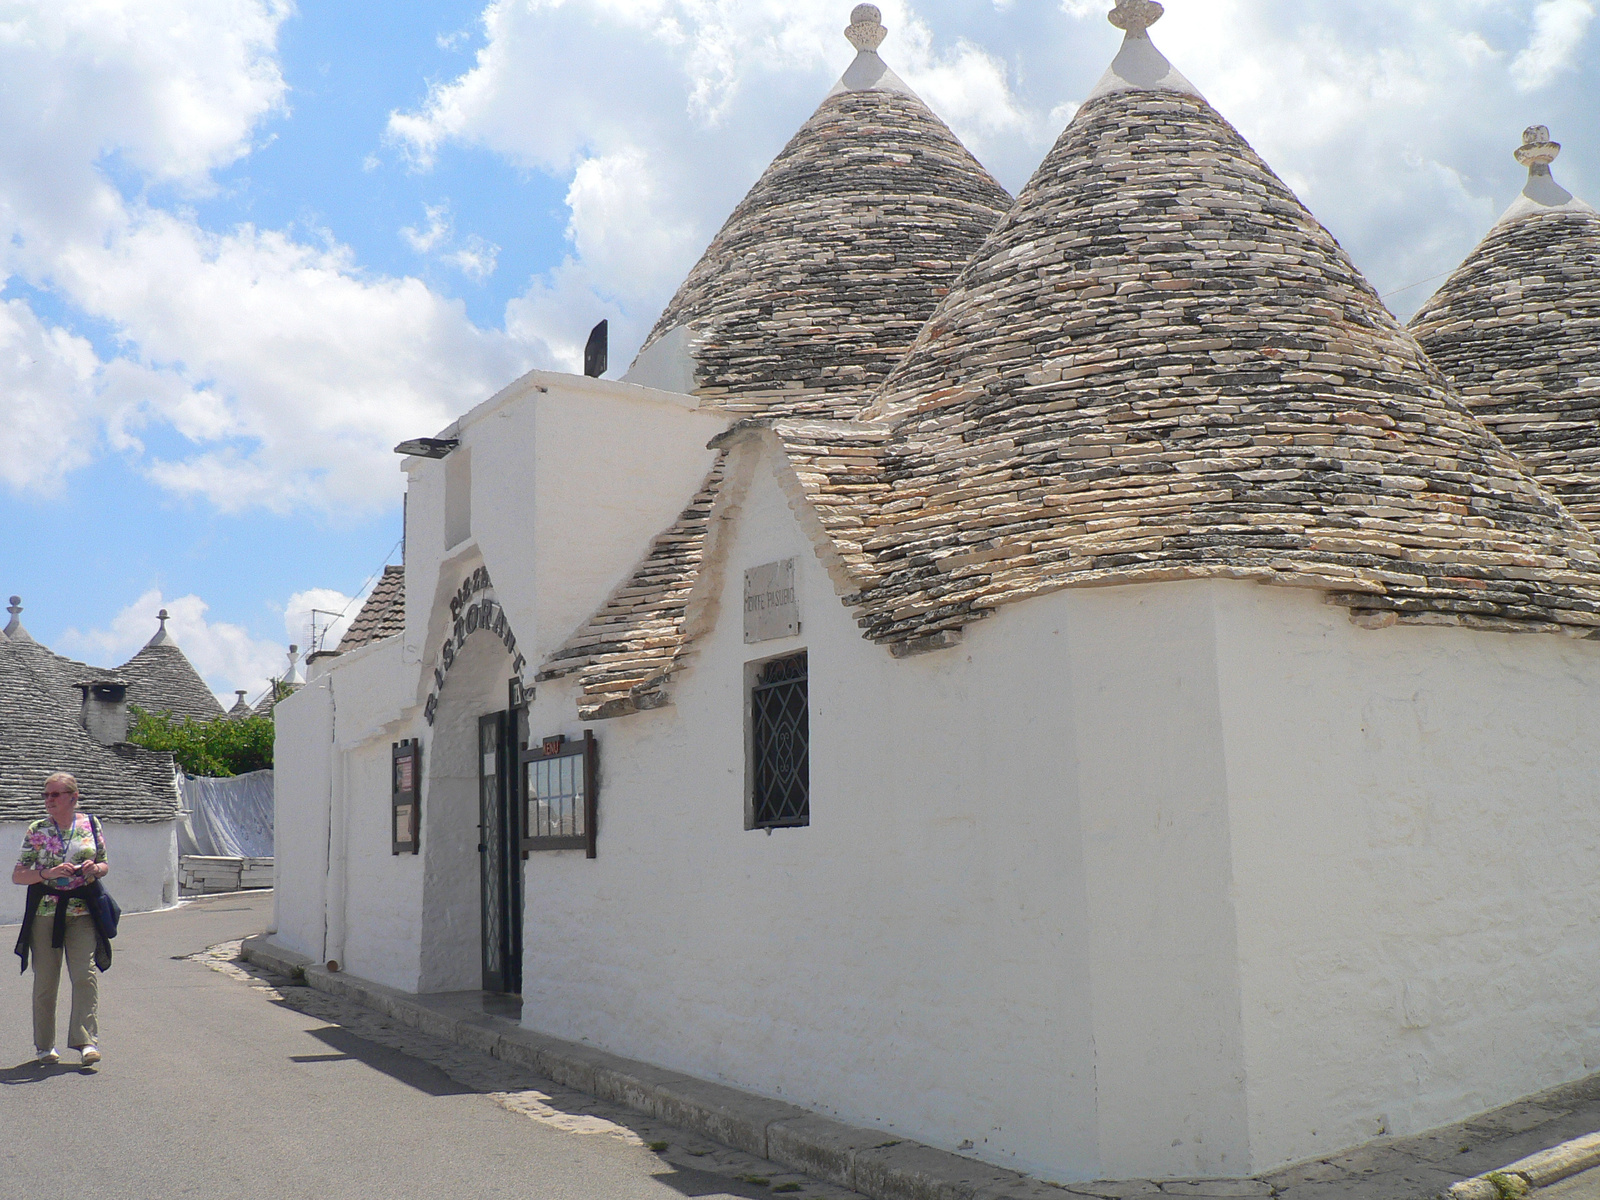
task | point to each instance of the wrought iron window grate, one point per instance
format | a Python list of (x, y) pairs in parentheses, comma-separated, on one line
[(780, 745)]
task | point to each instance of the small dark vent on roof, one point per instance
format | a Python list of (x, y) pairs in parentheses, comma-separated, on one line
[(596, 354)]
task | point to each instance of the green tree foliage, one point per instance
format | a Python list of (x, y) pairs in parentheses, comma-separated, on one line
[(219, 748)]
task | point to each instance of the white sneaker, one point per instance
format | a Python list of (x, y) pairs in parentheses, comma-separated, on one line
[(50, 1057), (90, 1055)]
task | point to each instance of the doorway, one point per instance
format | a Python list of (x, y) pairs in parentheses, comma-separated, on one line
[(500, 853)]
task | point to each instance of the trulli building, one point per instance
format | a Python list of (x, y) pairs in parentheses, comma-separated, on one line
[(60, 715), (1065, 680)]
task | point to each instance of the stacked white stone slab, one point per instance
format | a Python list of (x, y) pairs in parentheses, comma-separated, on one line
[(203, 874)]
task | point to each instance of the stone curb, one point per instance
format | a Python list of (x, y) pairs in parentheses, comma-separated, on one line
[(1536, 1171), (864, 1160)]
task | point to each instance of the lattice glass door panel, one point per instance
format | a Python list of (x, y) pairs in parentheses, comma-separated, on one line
[(492, 850)]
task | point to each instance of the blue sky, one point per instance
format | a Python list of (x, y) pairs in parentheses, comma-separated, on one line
[(251, 244)]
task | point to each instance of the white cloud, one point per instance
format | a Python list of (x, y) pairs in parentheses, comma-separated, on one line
[(226, 655), (1558, 30), (474, 256), (288, 371), (316, 619), (438, 230), (293, 373), (49, 401)]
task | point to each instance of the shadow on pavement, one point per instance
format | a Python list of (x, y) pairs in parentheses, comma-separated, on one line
[(400, 1067), (704, 1183), (37, 1072)]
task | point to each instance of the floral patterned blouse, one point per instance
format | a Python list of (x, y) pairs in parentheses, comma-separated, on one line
[(47, 845)]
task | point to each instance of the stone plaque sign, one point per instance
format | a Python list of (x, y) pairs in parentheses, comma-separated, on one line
[(771, 605)]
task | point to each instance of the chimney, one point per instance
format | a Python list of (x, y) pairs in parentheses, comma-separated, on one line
[(105, 710), (596, 354)]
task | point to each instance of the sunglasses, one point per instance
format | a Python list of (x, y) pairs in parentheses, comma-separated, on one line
[(48, 795)]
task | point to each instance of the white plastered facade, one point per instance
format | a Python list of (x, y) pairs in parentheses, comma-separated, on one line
[(1168, 880)]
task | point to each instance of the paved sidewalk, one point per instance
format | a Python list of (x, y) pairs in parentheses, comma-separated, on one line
[(210, 1091), (1416, 1168), (515, 1089)]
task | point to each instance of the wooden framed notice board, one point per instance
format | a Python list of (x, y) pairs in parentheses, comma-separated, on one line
[(405, 793)]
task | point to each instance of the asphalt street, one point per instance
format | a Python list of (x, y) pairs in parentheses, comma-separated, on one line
[(210, 1089)]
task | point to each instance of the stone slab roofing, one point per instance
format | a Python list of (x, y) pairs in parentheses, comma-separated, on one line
[(817, 284), (40, 733), (1516, 329), (384, 613), (625, 655), (161, 679), (1161, 366)]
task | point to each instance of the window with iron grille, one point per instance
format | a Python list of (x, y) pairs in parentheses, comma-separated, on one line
[(780, 745)]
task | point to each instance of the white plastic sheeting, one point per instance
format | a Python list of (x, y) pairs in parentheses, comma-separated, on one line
[(227, 818)]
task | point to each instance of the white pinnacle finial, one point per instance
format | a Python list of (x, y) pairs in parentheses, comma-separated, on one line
[(1136, 16), (1542, 194), (1537, 150), (866, 32)]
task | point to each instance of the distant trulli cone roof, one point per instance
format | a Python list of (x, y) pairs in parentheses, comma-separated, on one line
[(162, 679), (820, 279), (1161, 366), (1517, 330)]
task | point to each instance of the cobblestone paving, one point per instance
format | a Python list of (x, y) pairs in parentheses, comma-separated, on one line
[(520, 1092)]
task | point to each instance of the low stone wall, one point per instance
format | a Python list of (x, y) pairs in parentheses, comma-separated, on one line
[(200, 875)]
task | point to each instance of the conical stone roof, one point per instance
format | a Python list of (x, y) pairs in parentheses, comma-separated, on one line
[(40, 732), (162, 680), (1161, 366), (819, 281), (1517, 331)]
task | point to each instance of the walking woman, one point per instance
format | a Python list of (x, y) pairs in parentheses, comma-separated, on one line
[(62, 855)]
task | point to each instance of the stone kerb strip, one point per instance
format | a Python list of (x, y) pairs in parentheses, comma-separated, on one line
[(1536, 1171), (868, 1161)]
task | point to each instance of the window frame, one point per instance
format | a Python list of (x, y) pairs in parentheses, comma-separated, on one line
[(555, 747), (754, 671)]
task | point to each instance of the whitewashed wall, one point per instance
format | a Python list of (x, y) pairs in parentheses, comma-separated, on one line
[(570, 480), (144, 864), (1416, 833), (919, 958), (527, 458), (303, 779), (1137, 881)]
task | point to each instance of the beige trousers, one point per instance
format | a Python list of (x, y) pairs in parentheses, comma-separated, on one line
[(84, 1027)]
